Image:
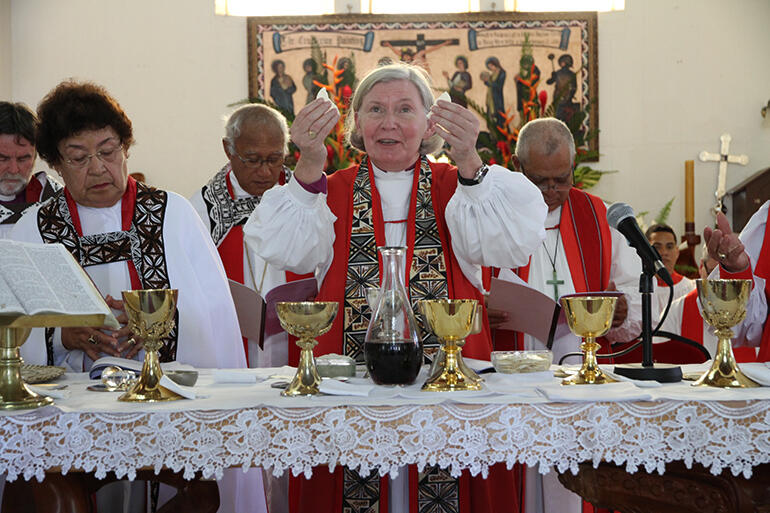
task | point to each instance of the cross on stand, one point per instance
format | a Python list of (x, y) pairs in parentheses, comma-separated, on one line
[(724, 158), (555, 281)]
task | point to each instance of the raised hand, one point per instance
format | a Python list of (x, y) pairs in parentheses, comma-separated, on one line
[(308, 131), (460, 128), (724, 246)]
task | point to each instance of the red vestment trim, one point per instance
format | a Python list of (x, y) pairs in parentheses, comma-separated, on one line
[(127, 204), (763, 271), (675, 277)]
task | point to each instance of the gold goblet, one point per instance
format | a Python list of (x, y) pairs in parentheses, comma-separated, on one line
[(589, 317), (724, 305), (151, 318), (306, 320), (451, 320)]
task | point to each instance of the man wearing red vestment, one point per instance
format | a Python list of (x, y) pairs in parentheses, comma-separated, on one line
[(255, 142), (19, 188), (452, 220), (581, 253)]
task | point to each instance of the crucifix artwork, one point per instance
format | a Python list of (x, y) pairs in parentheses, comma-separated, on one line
[(724, 158)]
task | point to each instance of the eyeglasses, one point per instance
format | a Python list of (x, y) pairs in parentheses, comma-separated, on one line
[(106, 155), (254, 162), (556, 184)]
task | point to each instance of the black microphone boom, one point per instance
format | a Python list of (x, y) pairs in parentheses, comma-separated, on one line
[(621, 217)]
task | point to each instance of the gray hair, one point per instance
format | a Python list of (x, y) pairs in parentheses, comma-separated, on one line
[(260, 116), (548, 134), (390, 73)]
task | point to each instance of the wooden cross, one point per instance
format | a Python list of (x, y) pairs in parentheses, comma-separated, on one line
[(555, 281), (724, 158)]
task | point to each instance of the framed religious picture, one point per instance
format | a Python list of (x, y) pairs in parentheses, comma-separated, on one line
[(509, 68)]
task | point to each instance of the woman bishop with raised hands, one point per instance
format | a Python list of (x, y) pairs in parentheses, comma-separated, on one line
[(453, 220)]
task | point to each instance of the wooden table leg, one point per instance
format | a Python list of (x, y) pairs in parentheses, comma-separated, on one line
[(72, 493), (678, 490)]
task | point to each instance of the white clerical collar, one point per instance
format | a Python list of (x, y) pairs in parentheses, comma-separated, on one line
[(3, 197), (379, 174), (553, 218), (237, 189)]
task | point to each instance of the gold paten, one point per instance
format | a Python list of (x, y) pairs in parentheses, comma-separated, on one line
[(14, 330), (306, 320), (150, 318), (451, 320), (724, 305), (589, 317)]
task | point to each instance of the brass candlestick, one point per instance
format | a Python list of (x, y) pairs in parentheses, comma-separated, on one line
[(724, 305), (306, 320), (589, 317), (451, 320), (151, 318), (14, 393)]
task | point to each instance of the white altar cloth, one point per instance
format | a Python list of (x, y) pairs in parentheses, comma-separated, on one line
[(252, 425)]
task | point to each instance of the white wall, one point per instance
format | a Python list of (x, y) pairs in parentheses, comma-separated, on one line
[(673, 75), (5, 49)]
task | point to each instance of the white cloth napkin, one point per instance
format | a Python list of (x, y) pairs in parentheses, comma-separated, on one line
[(235, 376), (186, 392), (511, 383), (357, 387), (50, 392), (758, 371), (622, 391)]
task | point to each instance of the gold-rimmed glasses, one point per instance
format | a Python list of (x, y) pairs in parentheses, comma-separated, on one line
[(108, 155)]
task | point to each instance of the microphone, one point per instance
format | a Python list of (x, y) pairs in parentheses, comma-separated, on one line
[(621, 217)]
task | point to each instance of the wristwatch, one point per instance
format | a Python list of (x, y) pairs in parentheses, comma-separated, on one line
[(478, 177)]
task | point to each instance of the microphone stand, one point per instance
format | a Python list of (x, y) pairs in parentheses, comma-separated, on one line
[(647, 370)]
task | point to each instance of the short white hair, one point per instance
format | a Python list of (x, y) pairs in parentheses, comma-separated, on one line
[(390, 73), (548, 135), (258, 115)]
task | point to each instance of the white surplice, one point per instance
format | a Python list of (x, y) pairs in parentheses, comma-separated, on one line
[(264, 278), (681, 289), (544, 493), (209, 335), (498, 222)]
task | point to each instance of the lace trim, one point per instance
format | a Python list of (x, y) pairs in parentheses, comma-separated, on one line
[(734, 436)]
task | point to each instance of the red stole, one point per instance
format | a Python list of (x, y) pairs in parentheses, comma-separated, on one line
[(675, 277), (339, 200), (763, 271), (33, 190), (127, 203)]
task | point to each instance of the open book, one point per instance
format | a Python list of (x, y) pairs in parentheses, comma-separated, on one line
[(529, 310), (38, 279)]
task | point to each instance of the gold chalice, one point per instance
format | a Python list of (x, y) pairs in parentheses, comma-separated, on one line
[(306, 320), (451, 320), (151, 318), (589, 316), (14, 393), (724, 305)]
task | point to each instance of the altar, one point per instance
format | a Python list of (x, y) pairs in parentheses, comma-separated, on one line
[(637, 427)]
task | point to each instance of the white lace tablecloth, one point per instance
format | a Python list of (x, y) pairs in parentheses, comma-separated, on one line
[(281, 434)]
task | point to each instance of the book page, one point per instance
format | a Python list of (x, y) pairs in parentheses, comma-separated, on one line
[(8, 302), (45, 278)]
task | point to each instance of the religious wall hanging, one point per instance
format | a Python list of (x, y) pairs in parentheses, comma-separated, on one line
[(507, 67)]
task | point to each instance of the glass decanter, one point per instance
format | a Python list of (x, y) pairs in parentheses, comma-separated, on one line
[(392, 347)]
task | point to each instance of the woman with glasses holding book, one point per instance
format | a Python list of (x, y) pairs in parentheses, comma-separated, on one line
[(126, 235)]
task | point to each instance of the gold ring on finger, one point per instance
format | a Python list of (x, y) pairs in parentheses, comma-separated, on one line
[(311, 134), (93, 340), (721, 256)]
